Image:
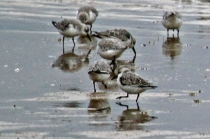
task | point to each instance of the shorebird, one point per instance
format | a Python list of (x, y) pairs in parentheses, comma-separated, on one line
[(111, 49), (132, 83), (126, 38), (87, 15), (172, 20), (99, 71), (70, 28)]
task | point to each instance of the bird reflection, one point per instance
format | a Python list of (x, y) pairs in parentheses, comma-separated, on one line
[(109, 83), (132, 119), (99, 103), (125, 64), (184, 1), (85, 43), (172, 47), (71, 62)]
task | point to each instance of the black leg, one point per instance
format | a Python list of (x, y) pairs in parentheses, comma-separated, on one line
[(119, 103), (173, 30), (113, 62), (137, 104), (134, 50), (134, 55), (122, 96), (134, 58), (104, 84), (137, 98), (91, 29), (63, 44), (94, 86), (167, 32), (177, 32), (74, 44)]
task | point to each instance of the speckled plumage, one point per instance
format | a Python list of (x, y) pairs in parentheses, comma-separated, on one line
[(133, 79), (111, 44), (111, 48), (100, 66), (99, 71), (121, 34)]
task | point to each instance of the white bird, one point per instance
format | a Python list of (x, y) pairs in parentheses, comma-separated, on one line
[(111, 49), (99, 71), (87, 15), (132, 83), (172, 20), (122, 34), (70, 28)]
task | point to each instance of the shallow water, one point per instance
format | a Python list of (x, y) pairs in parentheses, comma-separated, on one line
[(38, 100)]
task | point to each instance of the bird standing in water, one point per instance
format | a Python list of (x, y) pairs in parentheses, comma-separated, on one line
[(70, 28), (172, 20)]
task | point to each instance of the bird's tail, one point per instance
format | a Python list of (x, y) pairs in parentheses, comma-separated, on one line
[(96, 34), (54, 24), (153, 86)]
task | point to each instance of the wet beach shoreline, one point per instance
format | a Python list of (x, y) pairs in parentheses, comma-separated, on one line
[(41, 101)]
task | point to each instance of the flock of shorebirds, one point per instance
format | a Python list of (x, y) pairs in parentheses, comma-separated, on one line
[(113, 43)]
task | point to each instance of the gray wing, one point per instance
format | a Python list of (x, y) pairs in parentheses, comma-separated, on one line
[(121, 34), (166, 15), (111, 44), (87, 9), (178, 15), (100, 66), (64, 24), (135, 80)]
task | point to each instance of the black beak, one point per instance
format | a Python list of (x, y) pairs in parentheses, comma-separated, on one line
[(88, 36)]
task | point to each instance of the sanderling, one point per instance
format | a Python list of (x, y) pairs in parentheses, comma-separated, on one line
[(99, 71), (111, 49), (132, 83), (70, 28), (87, 15), (172, 20), (122, 34)]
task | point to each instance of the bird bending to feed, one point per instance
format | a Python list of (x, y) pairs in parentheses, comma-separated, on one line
[(87, 15), (172, 20), (99, 71), (70, 28), (122, 34), (111, 49), (132, 83)]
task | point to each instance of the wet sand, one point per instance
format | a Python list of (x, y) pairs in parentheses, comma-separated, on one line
[(38, 100)]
